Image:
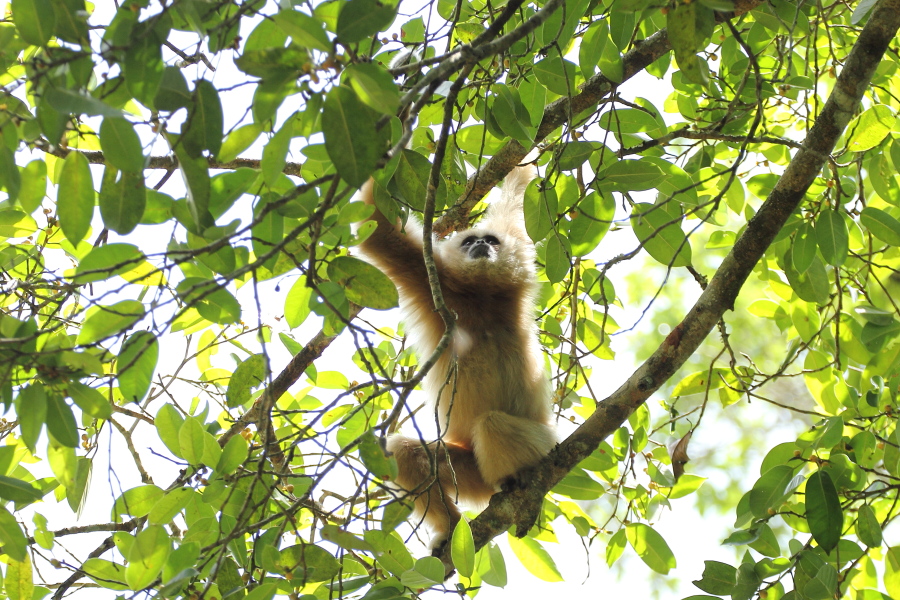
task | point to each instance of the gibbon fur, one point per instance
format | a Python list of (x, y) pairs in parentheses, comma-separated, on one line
[(489, 389)]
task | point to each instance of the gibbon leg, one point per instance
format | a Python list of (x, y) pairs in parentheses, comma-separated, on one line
[(504, 444), (458, 479)]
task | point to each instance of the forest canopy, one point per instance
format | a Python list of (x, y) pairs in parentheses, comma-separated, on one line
[(183, 301)]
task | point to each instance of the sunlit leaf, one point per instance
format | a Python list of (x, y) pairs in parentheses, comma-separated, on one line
[(75, 199), (535, 558)]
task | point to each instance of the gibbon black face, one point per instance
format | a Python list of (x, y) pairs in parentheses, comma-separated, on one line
[(477, 247)]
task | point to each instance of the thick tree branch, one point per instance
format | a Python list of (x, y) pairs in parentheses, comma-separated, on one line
[(521, 506)]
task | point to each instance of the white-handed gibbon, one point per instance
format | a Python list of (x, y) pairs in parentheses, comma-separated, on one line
[(490, 388)]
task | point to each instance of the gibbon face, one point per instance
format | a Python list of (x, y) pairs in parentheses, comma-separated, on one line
[(483, 255), (480, 247)]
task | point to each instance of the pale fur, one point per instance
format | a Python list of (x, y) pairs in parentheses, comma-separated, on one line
[(494, 408)]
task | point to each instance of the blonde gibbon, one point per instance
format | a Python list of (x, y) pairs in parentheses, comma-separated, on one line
[(489, 389)]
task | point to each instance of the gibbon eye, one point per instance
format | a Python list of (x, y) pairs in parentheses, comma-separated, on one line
[(469, 241), (493, 241)]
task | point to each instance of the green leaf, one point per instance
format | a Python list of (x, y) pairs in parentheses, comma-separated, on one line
[(251, 373), (106, 261), (296, 304), (136, 364), (535, 558), (556, 74), (303, 29), (390, 551), (591, 48), (275, 152), (35, 20), (689, 27), (239, 140), (462, 549), (18, 491), (217, 306), (167, 507), (233, 455), (195, 172), (19, 580), (105, 321), (771, 490), (77, 492), (15, 223), (833, 237), (72, 101), (309, 563), (428, 571), (892, 571), (10, 178), (868, 528), (31, 412), (121, 145), (574, 154), (75, 198), (265, 591), (71, 21), (105, 573), (374, 86), (33, 188), (228, 578), (511, 115), (363, 283), (14, 543), (89, 400), (350, 137), (144, 67), (63, 463), (804, 247), (147, 557), (868, 129), (578, 485), (591, 222), (138, 501), (191, 440), (168, 424), (61, 421), (123, 202), (360, 19), (373, 457), (173, 92), (747, 582), (615, 547), (881, 224), (658, 227), (813, 285), (823, 510), (651, 547), (541, 207), (633, 175), (205, 122), (411, 180), (718, 578)]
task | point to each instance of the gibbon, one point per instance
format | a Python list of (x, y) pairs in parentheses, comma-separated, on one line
[(489, 389)]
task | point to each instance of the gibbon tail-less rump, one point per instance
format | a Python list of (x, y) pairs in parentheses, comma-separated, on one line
[(489, 389)]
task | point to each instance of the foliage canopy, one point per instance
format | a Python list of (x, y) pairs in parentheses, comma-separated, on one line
[(758, 155)]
